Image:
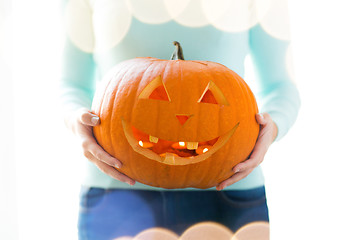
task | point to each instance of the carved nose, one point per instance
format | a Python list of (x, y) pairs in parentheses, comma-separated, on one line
[(182, 118)]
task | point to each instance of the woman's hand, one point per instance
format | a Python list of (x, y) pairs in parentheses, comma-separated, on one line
[(81, 123), (267, 134)]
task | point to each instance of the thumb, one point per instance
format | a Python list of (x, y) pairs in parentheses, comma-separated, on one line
[(88, 118), (262, 118)]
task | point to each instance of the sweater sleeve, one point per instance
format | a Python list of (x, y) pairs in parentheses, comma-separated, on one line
[(278, 95), (78, 66)]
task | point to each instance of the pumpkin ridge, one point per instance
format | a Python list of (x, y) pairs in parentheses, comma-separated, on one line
[(206, 171), (180, 93), (187, 175), (136, 96), (110, 129), (221, 163), (241, 86), (250, 105), (113, 104), (166, 64), (98, 111), (133, 165), (116, 78), (219, 127), (198, 112), (106, 137)]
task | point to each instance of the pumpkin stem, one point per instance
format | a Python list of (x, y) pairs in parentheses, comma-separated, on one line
[(178, 53)]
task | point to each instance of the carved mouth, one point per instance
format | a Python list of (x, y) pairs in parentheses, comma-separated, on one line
[(173, 152)]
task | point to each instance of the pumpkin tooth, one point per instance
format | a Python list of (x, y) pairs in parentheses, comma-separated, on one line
[(192, 145), (153, 139), (169, 158)]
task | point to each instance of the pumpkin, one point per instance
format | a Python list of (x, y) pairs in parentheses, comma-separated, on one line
[(176, 123)]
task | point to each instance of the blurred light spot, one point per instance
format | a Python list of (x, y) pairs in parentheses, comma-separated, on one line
[(111, 20), (78, 20), (289, 63), (207, 230), (124, 238), (147, 11), (234, 15), (254, 230), (276, 21), (187, 12), (176, 7), (156, 234)]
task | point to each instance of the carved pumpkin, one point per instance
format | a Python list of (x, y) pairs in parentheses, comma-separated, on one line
[(176, 123)]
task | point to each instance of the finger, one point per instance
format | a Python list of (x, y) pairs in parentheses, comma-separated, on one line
[(87, 118), (101, 155), (262, 145), (260, 149), (261, 118), (256, 157), (112, 172), (233, 179), (247, 164)]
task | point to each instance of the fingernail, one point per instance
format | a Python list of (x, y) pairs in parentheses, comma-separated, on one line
[(237, 170), (117, 165), (95, 120), (261, 115)]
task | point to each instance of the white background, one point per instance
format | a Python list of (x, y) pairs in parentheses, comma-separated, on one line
[(314, 175)]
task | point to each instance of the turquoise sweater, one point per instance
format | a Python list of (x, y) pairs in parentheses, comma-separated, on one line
[(101, 34)]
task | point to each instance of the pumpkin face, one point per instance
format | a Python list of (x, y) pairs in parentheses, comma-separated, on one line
[(176, 123)]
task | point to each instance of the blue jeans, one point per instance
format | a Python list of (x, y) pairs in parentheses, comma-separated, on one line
[(111, 213)]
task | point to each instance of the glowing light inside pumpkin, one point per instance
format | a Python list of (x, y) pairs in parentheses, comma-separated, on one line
[(145, 144), (180, 148), (203, 149), (179, 145)]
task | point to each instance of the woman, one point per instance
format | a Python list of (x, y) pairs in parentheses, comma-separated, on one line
[(101, 34)]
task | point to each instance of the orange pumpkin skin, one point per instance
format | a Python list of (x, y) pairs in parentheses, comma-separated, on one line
[(123, 104)]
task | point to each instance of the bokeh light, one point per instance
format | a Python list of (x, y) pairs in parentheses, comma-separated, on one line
[(187, 12), (111, 22), (276, 20), (152, 12), (207, 230), (235, 15), (253, 231), (124, 238), (78, 24), (156, 234), (100, 25)]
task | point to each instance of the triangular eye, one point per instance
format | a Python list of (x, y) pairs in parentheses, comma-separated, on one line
[(208, 97), (213, 95), (155, 90), (159, 93)]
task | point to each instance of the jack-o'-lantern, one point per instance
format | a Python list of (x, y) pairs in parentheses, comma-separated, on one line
[(176, 123)]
